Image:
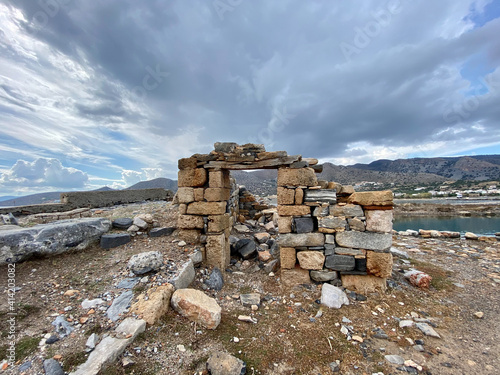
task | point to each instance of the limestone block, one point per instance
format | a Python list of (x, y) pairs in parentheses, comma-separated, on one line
[(193, 177), (363, 284), (293, 210), (191, 236), (206, 208), (294, 277), (332, 224), (199, 194), (219, 179), (299, 196), (302, 239), (187, 163), (348, 210), (372, 198), (217, 250), (185, 195), (311, 260), (217, 194), (346, 190), (190, 222), (297, 177), (288, 257), (285, 224), (379, 264), (357, 224), (364, 240), (182, 209), (153, 304), (286, 196), (218, 223), (197, 306), (220, 363), (349, 251), (379, 221)]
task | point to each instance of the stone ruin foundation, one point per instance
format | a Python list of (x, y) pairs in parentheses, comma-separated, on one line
[(327, 232)]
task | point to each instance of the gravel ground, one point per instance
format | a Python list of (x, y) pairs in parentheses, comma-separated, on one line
[(293, 333)]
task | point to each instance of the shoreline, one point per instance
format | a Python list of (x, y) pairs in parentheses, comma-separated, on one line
[(408, 209)]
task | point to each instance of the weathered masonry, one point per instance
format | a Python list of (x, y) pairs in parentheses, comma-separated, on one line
[(326, 231)]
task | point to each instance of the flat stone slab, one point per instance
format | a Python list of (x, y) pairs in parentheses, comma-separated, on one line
[(364, 240), (109, 241), (51, 239), (322, 195), (161, 232), (302, 239), (110, 348), (119, 305), (122, 223)]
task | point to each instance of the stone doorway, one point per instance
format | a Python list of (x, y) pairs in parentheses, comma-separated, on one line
[(326, 230)]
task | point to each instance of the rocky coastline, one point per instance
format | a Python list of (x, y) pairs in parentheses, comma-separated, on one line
[(407, 209)]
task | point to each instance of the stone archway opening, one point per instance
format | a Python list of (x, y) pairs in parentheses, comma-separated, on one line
[(327, 232)]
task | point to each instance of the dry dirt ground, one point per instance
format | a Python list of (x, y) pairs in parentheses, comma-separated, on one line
[(293, 333)]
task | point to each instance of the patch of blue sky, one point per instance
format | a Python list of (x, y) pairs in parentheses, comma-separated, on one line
[(488, 150), (475, 71), (490, 12)]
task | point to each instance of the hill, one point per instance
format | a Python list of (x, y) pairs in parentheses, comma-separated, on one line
[(471, 168), (49, 197), (7, 197), (165, 183)]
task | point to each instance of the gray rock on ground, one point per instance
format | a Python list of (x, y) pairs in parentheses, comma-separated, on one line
[(185, 276), (51, 239), (161, 232), (112, 240), (122, 223), (145, 262), (120, 305), (331, 296), (52, 367), (62, 327), (250, 299), (215, 280), (110, 348), (246, 248)]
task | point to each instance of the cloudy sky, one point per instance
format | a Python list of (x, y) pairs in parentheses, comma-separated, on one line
[(111, 92)]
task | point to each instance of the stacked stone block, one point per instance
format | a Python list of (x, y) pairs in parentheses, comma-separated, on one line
[(205, 208), (338, 235)]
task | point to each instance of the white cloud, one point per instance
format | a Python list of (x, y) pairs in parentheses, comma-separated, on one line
[(131, 177), (43, 173)]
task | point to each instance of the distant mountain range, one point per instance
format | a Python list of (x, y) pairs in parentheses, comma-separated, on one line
[(389, 173), (401, 172), (165, 183)]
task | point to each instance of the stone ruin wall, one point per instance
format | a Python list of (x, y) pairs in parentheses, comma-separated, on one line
[(327, 232)]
